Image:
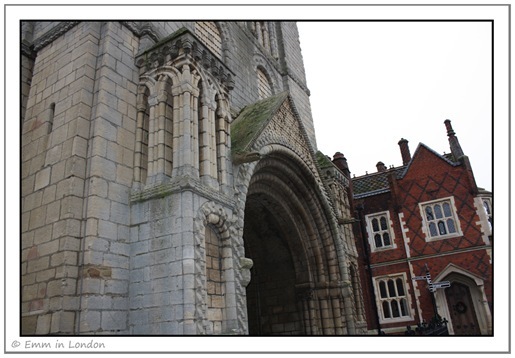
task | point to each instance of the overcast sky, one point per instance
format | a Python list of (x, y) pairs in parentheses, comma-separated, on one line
[(373, 83)]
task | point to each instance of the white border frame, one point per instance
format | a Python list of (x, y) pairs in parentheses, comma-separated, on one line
[(499, 343)]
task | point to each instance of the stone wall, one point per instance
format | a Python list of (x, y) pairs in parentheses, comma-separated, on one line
[(55, 138), (104, 253), (110, 171)]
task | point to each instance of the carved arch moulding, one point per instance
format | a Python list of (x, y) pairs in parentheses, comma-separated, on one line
[(236, 267)]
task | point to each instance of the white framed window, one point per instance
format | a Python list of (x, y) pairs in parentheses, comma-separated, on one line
[(487, 205), (392, 299), (380, 232), (440, 219)]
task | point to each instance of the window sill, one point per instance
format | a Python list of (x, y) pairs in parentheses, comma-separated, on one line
[(384, 248), (395, 320), (443, 237)]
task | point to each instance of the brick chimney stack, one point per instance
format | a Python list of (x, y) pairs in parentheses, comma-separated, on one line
[(341, 162), (454, 144), (405, 153), (380, 167)]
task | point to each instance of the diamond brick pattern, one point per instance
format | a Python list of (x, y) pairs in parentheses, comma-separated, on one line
[(448, 184), (465, 257)]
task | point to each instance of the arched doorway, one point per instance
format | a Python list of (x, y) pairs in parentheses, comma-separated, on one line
[(461, 310), (294, 287), (464, 303)]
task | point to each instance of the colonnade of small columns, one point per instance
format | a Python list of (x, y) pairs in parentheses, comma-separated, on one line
[(182, 128)]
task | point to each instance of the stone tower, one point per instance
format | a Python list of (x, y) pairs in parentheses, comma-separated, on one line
[(171, 184)]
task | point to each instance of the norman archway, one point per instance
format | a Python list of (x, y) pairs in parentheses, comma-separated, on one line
[(299, 282), (296, 283)]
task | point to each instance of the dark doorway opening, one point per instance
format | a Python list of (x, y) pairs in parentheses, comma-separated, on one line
[(272, 305)]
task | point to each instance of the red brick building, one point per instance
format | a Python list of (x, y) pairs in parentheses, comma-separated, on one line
[(426, 216)]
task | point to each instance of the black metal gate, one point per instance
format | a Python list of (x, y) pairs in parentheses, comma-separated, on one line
[(436, 327)]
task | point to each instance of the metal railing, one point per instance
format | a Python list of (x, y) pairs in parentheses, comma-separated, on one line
[(436, 327)]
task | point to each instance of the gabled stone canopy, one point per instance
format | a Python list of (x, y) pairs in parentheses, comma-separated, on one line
[(252, 120), (278, 176), (273, 121)]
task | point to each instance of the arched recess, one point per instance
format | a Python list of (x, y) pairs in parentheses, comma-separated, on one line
[(214, 277), (464, 303), (213, 134), (265, 33), (209, 33), (141, 146), (153, 160), (296, 285), (218, 31), (265, 88), (265, 74), (183, 126)]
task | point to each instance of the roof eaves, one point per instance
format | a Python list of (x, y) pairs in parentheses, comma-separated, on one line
[(371, 193)]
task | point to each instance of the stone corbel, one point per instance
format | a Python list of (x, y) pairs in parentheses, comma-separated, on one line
[(245, 264), (345, 221), (241, 158)]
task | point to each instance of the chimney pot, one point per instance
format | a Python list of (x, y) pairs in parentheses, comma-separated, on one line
[(341, 162), (380, 167), (448, 126), (405, 153)]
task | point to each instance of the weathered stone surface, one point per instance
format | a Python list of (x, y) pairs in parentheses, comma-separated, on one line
[(163, 180)]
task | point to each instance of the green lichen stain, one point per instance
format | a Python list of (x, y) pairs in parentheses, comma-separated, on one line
[(252, 120), (323, 160)]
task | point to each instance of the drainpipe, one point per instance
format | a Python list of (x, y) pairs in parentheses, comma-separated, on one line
[(361, 219)]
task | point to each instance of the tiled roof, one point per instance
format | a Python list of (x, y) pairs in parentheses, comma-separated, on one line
[(375, 183)]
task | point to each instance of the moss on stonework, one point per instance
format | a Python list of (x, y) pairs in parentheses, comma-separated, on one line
[(252, 120), (323, 160), (166, 39)]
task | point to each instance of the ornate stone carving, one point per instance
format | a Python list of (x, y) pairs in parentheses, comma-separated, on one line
[(184, 44), (28, 51), (209, 214), (53, 34)]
